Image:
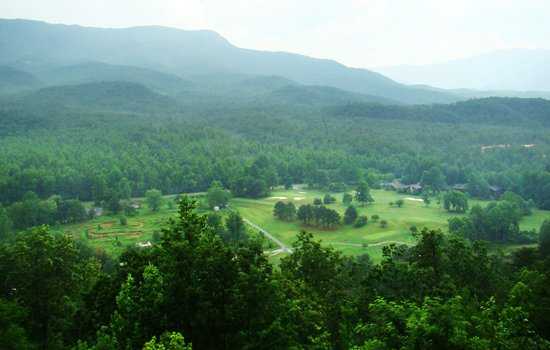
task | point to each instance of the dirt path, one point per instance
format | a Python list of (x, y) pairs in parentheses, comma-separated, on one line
[(283, 247)]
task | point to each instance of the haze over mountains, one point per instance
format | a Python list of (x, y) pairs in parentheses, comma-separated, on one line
[(203, 66), (46, 50), (515, 69)]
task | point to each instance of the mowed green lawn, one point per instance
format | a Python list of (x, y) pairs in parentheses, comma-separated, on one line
[(370, 238), (114, 237)]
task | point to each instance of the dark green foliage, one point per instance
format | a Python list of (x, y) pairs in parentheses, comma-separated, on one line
[(284, 211), (544, 238), (347, 198), (320, 216), (498, 222), (362, 194), (328, 199), (443, 293), (523, 206), (361, 221), (455, 201), (46, 276), (13, 335), (154, 199), (399, 203), (217, 196), (235, 229), (350, 215), (32, 211), (5, 224)]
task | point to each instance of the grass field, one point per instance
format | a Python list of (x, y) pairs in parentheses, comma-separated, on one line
[(370, 238), (108, 233)]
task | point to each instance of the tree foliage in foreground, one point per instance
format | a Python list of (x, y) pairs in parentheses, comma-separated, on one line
[(193, 289)]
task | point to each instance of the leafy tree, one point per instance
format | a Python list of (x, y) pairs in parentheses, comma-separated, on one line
[(217, 196), (235, 228), (350, 215), (383, 223), (306, 214), (284, 211), (361, 221), (375, 217), (328, 199), (317, 201), (523, 206), (13, 335), (154, 199), (44, 273), (347, 199), (362, 194), (168, 341), (399, 203), (455, 201)]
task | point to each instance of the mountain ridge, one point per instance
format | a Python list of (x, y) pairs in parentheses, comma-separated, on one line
[(35, 46)]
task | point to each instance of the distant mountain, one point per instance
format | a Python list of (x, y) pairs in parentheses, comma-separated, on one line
[(319, 96), (14, 80), (512, 70), (111, 96), (37, 47), (101, 72), (494, 110)]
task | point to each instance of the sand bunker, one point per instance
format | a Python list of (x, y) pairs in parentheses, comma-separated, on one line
[(278, 198), (299, 198), (415, 199)]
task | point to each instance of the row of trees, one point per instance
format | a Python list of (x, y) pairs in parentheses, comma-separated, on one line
[(32, 211), (194, 289), (318, 215), (497, 222)]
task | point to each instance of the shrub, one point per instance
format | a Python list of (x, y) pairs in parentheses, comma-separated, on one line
[(361, 221)]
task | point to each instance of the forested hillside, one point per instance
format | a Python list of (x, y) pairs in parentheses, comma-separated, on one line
[(85, 141)]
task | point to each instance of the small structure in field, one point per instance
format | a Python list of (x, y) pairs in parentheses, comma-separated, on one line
[(397, 186), (146, 244)]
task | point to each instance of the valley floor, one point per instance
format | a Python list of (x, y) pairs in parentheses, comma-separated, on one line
[(106, 232)]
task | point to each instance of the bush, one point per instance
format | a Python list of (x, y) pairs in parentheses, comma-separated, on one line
[(317, 201), (383, 223), (123, 221), (361, 221), (375, 217), (328, 199)]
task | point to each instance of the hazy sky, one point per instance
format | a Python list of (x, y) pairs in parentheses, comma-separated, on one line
[(359, 33)]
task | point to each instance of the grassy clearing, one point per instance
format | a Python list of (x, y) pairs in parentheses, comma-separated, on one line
[(107, 233), (356, 241)]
